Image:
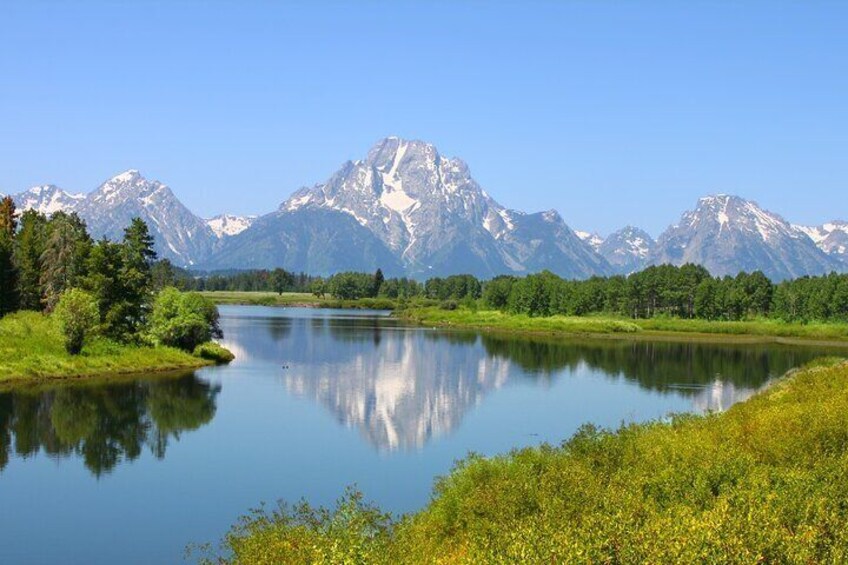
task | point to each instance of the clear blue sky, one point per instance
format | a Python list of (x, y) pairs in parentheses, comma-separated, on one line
[(610, 112)]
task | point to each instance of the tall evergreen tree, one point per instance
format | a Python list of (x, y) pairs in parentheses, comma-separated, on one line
[(62, 261), (103, 281), (8, 272), (137, 257), (378, 282), (29, 248)]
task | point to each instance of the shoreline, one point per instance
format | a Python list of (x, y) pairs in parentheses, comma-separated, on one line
[(706, 470), (587, 326), (643, 335), (32, 351), (453, 322), (24, 383), (121, 373)]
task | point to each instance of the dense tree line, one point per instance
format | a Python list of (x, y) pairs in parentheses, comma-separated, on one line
[(276, 280), (53, 265), (688, 291)]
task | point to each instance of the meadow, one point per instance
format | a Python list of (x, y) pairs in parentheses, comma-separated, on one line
[(764, 482), (296, 299), (32, 348), (471, 318)]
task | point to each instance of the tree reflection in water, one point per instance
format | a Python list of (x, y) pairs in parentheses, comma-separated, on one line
[(103, 422)]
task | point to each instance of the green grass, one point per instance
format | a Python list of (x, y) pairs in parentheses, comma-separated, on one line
[(495, 320), (213, 352), (263, 298), (31, 348), (764, 482), (296, 299)]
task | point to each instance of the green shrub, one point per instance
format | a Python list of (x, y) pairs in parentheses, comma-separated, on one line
[(77, 314), (213, 352), (449, 305), (183, 320), (764, 482), (353, 532)]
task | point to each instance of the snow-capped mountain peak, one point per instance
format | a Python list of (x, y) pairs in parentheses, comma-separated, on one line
[(728, 234), (726, 211), (427, 211), (831, 237), (127, 185), (627, 249), (229, 225), (400, 190), (181, 236), (47, 199)]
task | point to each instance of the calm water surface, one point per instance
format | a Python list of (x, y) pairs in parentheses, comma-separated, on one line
[(131, 470)]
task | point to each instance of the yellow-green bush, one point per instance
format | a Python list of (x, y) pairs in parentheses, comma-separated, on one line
[(766, 481), (213, 352)]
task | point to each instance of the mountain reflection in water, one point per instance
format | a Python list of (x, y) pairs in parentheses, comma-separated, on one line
[(402, 387)]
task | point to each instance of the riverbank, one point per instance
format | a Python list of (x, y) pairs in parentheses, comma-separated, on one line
[(763, 482), (296, 300), (425, 312), (31, 348), (657, 328)]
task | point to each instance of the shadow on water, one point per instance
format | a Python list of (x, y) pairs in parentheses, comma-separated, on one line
[(103, 422), (659, 366)]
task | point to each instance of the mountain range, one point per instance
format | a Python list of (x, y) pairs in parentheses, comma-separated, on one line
[(411, 211)]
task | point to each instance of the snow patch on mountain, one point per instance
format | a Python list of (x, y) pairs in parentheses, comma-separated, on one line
[(47, 199), (592, 238), (229, 225), (831, 237), (627, 249)]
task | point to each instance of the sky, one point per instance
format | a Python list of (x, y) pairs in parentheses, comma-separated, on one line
[(612, 113)]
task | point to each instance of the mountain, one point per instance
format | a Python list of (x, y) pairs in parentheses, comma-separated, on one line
[(627, 249), (413, 212), (418, 207), (180, 236), (47, 199), (832, 238), (592, 238), (226, 225), (320, 242), (727, 234)]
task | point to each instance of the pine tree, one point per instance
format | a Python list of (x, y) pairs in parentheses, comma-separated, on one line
[(378, 282), (58, 265), (8, 272), (29, 248), (137, 257)]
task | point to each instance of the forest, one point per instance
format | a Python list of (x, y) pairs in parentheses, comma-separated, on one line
[(112, 290), (688, 292)]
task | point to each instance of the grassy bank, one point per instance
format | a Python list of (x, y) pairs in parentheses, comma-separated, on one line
[(767, 481), (31, 347), (296, 299), (495, 320)]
